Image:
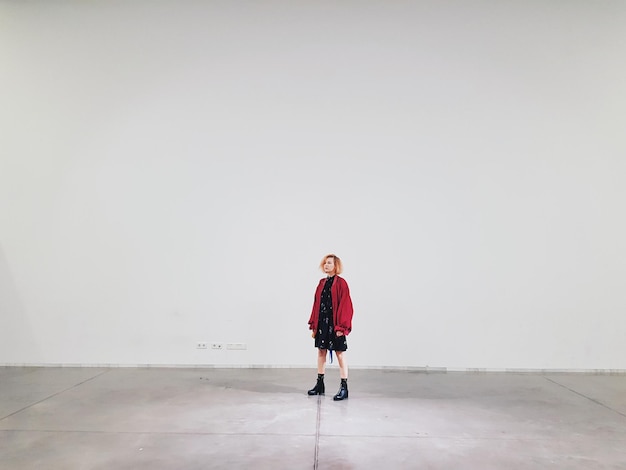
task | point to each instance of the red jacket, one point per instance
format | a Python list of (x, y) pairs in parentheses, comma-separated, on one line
[(342, 305)]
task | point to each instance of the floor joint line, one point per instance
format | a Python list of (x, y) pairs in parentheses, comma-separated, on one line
[(54, 395), (317, 432), (597, 402)]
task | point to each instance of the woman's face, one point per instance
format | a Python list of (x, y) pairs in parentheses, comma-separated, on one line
[(329, 266)]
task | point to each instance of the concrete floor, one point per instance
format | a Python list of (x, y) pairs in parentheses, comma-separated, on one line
[(157, 418)]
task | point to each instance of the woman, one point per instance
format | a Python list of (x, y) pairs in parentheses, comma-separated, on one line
[(331, 322)]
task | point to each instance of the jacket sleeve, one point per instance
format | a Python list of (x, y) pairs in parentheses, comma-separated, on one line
[(312, 317), (345, 310), (315, 310)]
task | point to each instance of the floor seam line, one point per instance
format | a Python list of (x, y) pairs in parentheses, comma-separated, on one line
[(317, 432), (597, 402), (360, 436), (181, 433), (54, 395), (473, 438)]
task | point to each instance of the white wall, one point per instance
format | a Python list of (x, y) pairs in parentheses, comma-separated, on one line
[(172, 172)]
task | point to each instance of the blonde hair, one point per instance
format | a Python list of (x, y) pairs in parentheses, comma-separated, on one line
[(338, 265)]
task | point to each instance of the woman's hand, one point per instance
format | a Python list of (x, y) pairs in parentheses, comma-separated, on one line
[(312, 334), (339, 333)]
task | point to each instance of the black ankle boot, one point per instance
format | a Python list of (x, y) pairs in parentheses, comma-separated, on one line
[(319, 388), (342, 394)]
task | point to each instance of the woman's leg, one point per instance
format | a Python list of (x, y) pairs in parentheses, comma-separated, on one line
[(319, 388), (321, 360), (342, 394), (343, 364)]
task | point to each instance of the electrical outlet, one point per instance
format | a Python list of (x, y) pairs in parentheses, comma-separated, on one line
[(217, 346), (239, 346), (201, 345)]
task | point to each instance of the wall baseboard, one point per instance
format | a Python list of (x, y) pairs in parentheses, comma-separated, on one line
[(430, 370)]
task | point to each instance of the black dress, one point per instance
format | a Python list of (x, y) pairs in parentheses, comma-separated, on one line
[(325, 338)]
